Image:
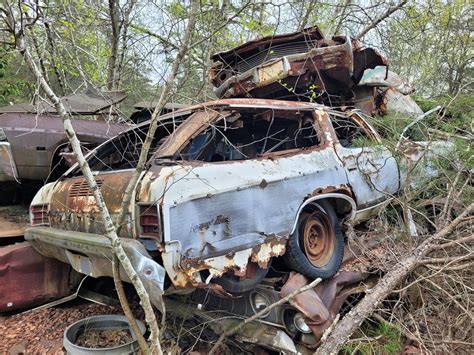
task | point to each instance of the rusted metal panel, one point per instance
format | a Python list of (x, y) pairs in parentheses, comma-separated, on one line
[(321, 304), (91, 254), (73, 205), (29, 279)]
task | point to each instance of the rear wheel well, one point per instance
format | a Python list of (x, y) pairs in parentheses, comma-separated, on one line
[(342, 206)]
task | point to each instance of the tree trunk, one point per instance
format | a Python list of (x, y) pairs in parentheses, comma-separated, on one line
[(115, 24), (164, 96)]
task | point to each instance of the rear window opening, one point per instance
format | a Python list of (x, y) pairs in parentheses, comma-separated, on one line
[(123, 151), (245, 136)]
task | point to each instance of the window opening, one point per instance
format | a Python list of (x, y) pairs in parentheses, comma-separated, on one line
[(348, 133), (246, 136)]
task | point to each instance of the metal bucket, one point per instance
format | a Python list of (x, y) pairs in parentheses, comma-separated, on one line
[(105, 322)]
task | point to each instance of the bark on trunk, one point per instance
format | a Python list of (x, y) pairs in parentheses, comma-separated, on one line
[(115, 23)]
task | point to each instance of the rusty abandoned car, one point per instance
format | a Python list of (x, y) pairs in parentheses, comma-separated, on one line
[(234, 190), (307, 66), (33, 144)]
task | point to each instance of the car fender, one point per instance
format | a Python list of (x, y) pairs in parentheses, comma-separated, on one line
[(331, 195)]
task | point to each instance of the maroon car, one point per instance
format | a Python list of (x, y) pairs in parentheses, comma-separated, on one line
[(33, 144)]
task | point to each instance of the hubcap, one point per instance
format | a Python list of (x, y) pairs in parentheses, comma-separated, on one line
[(318, 238)]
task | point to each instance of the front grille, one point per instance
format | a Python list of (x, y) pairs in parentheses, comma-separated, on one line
[(39, 215), (81, 188), (277, 51)]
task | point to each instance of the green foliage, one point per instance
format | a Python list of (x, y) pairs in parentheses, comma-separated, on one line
[(15, 83), (384, 338), (431, 45), (459, 108)]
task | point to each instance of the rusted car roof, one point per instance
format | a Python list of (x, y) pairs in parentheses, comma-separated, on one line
[(89, 103), (255, 46), (287, 65), (251, 102)]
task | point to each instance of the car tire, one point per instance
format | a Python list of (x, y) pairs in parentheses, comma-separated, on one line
[(233, 284), (316, 248)]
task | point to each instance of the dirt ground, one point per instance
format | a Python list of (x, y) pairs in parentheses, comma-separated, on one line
[(42, 331), (13, 220)]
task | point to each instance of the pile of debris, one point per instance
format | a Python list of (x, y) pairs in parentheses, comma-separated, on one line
[(306, 66)]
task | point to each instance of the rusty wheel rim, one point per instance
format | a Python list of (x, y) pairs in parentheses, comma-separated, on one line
[(318, 239)]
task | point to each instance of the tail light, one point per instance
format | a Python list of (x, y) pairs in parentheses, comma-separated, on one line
[(39, 215), (149, 221)]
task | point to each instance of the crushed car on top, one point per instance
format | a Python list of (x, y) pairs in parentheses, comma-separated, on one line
[(338, 72), (239, 196)]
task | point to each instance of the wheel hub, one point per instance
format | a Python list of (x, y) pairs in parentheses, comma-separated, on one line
[(318, 238)]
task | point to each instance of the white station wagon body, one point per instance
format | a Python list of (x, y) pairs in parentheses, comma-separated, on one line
[(224, 188)]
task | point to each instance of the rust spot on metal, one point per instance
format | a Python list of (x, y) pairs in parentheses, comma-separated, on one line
[(342, 189), (73, 205), (221, 220)]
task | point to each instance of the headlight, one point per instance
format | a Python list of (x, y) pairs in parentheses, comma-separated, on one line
[(259, 301), (300, 324), (294, 321), (3, 136)]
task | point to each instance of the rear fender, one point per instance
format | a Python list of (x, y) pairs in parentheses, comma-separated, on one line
[(344, 204)]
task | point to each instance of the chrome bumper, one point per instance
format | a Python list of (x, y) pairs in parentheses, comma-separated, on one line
[(91, 254)]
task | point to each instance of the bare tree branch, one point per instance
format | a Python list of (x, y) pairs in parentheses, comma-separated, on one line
[(379, 19)]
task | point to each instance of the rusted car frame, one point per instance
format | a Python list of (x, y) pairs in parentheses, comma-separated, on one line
[(227, 186), (355, 179), (287, 65), (306, 66)]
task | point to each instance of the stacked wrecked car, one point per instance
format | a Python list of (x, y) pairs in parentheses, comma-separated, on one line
[(247, 198)]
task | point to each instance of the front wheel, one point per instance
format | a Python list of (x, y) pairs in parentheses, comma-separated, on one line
[(316, 248)]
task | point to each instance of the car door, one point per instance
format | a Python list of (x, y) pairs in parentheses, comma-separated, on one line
[(371, 169), (242, 181)]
